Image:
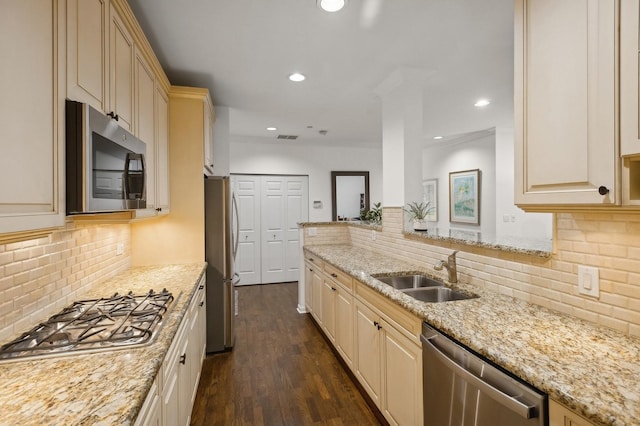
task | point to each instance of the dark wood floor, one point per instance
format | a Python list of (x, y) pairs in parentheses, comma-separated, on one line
[(280, 372)]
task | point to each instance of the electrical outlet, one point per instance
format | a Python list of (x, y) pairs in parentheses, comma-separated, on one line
[(373, 235), (119, 249), (589, 281)]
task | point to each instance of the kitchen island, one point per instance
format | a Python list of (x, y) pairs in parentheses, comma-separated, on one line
[(108, 387), (592, 370)]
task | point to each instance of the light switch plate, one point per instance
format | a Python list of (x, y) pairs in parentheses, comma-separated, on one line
[(119, 249), (589, 281)]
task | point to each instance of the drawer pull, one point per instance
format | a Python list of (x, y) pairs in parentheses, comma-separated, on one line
[(202, 304), (201, 287), (183, 359), (333, 289), (334, 275)]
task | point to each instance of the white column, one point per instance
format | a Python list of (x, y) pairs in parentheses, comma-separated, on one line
[(402, 121)]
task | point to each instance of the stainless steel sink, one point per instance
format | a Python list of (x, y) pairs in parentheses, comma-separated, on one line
[(424, 288), (401, 282), (437, 294)]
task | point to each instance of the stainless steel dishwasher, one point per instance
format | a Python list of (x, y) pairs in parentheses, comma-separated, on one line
[(462, 389)]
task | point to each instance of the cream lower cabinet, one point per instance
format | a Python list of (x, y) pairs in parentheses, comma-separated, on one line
[(388, 360), (566, 147), (561, 416), (32, 117), (177, 382), (151, 412), (316, 290)]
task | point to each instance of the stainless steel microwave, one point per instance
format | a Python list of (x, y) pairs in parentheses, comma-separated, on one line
[(105, 164)]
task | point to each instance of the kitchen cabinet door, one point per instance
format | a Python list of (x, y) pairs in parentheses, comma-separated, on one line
[(629, 77), (87, 47), (368, 356), (329, 290), (121, 70), (151, 412), (344, 324), (565, 103), (162, 151), (32, 117), (402, 370), (209, 118), (561, 416), (308, 288), (144, 122), (317, 286)]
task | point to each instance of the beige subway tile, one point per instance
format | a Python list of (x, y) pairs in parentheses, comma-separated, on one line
[(634, 330), (627, 315), (614, 300), (612, 250), (613, 323), (585, 314)]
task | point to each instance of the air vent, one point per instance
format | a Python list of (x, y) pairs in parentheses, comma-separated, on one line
[(289, 137)]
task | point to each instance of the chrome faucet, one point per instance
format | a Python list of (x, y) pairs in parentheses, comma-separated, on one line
[(450, 265)]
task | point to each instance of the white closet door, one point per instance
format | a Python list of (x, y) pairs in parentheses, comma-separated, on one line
[(273, 229), (247, 264), (297, 201)]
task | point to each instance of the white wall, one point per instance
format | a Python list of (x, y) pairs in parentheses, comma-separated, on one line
[(449, 156), (510, 220), (287, 158)]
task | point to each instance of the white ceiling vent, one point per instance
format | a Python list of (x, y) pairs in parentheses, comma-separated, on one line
[(290, 137)]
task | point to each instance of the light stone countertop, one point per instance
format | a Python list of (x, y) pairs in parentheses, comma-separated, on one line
[(102, 388), (593, 370)]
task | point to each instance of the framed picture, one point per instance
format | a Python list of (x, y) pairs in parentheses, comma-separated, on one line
[(464, 197), (430, 191)]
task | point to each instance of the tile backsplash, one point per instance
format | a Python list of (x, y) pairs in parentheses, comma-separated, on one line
[(610, 242), (41, 276)]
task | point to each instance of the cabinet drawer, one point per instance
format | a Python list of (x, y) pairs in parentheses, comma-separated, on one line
[(338, 275), (313, 259)]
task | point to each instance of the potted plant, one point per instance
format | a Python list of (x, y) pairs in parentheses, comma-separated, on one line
[(418, 213), (373, 215)]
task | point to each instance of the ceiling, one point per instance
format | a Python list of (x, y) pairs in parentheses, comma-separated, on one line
[(244, 50)]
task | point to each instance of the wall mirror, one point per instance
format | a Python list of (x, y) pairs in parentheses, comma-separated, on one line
[(349, 194)]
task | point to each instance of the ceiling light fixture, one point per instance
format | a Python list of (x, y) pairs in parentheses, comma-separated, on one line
[(272, 129), (297, 77), (331, 5), (438, 137), (481, 103)]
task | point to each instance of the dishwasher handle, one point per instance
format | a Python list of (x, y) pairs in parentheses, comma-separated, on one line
[(523, 410)]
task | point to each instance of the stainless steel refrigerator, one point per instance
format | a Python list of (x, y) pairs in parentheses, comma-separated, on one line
[(220, 251)]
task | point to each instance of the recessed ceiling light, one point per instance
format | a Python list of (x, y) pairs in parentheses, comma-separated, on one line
[(482, 103), (297, 77), (272, 128), (438, 137), (331, 5)]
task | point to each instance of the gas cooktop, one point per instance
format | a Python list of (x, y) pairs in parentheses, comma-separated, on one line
[(97, 324)]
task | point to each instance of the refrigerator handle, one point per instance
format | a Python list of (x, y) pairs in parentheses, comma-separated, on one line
[(235, 236)]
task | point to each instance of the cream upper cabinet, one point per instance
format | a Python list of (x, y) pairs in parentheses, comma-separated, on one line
[(121, 70), (32, 116), (162, 150), (566, 151), (144, 120), (209, 118), (561, 416), (629, 77), (87, 47)]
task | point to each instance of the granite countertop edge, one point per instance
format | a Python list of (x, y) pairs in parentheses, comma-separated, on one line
[(95, 388), (588, 368)]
